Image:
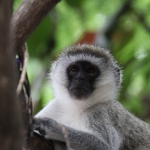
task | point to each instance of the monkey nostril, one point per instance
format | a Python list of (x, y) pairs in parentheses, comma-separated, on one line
[(80, 79)]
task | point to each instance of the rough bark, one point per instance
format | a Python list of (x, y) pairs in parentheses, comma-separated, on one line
[(10, 117), (38, 143)]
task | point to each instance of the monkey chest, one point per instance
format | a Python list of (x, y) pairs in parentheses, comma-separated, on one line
[(75, 121)]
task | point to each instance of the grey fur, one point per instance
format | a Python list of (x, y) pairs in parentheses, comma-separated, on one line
[(105, 123)]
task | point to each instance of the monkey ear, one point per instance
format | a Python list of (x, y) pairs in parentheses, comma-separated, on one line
[(118, 75), (117, 70)]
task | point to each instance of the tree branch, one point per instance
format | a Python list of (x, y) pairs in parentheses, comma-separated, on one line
[(28, 17)]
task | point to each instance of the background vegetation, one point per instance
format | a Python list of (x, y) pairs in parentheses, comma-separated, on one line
[(123, 26)]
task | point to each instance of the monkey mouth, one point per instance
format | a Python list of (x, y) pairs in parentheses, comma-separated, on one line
[(79, 93), (80, 89)]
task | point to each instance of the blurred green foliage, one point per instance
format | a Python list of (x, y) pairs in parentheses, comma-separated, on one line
[(125, 25)]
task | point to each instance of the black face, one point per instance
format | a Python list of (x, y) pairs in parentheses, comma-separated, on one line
[(81, 75)]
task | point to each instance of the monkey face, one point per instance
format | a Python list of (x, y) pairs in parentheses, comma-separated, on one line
[(81, 76), (86, 73)]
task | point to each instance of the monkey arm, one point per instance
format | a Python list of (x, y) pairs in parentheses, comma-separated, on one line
[(77, 139)]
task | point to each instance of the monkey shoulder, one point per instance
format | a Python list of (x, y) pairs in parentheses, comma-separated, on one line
[(112, 118), (120, 116), (133, 130)]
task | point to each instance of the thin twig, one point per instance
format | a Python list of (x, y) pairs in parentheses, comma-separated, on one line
[(65, 133), (23, 148), (23, 74), (30, 109)]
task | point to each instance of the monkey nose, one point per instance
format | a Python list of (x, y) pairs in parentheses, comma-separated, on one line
[(80, 79)]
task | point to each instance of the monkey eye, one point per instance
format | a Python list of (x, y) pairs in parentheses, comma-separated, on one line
[(74, 69), (91, 71)]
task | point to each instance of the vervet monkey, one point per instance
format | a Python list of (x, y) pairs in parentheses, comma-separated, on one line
[(86, 80)]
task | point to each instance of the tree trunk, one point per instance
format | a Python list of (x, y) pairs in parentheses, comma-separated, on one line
[(10, 117)]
